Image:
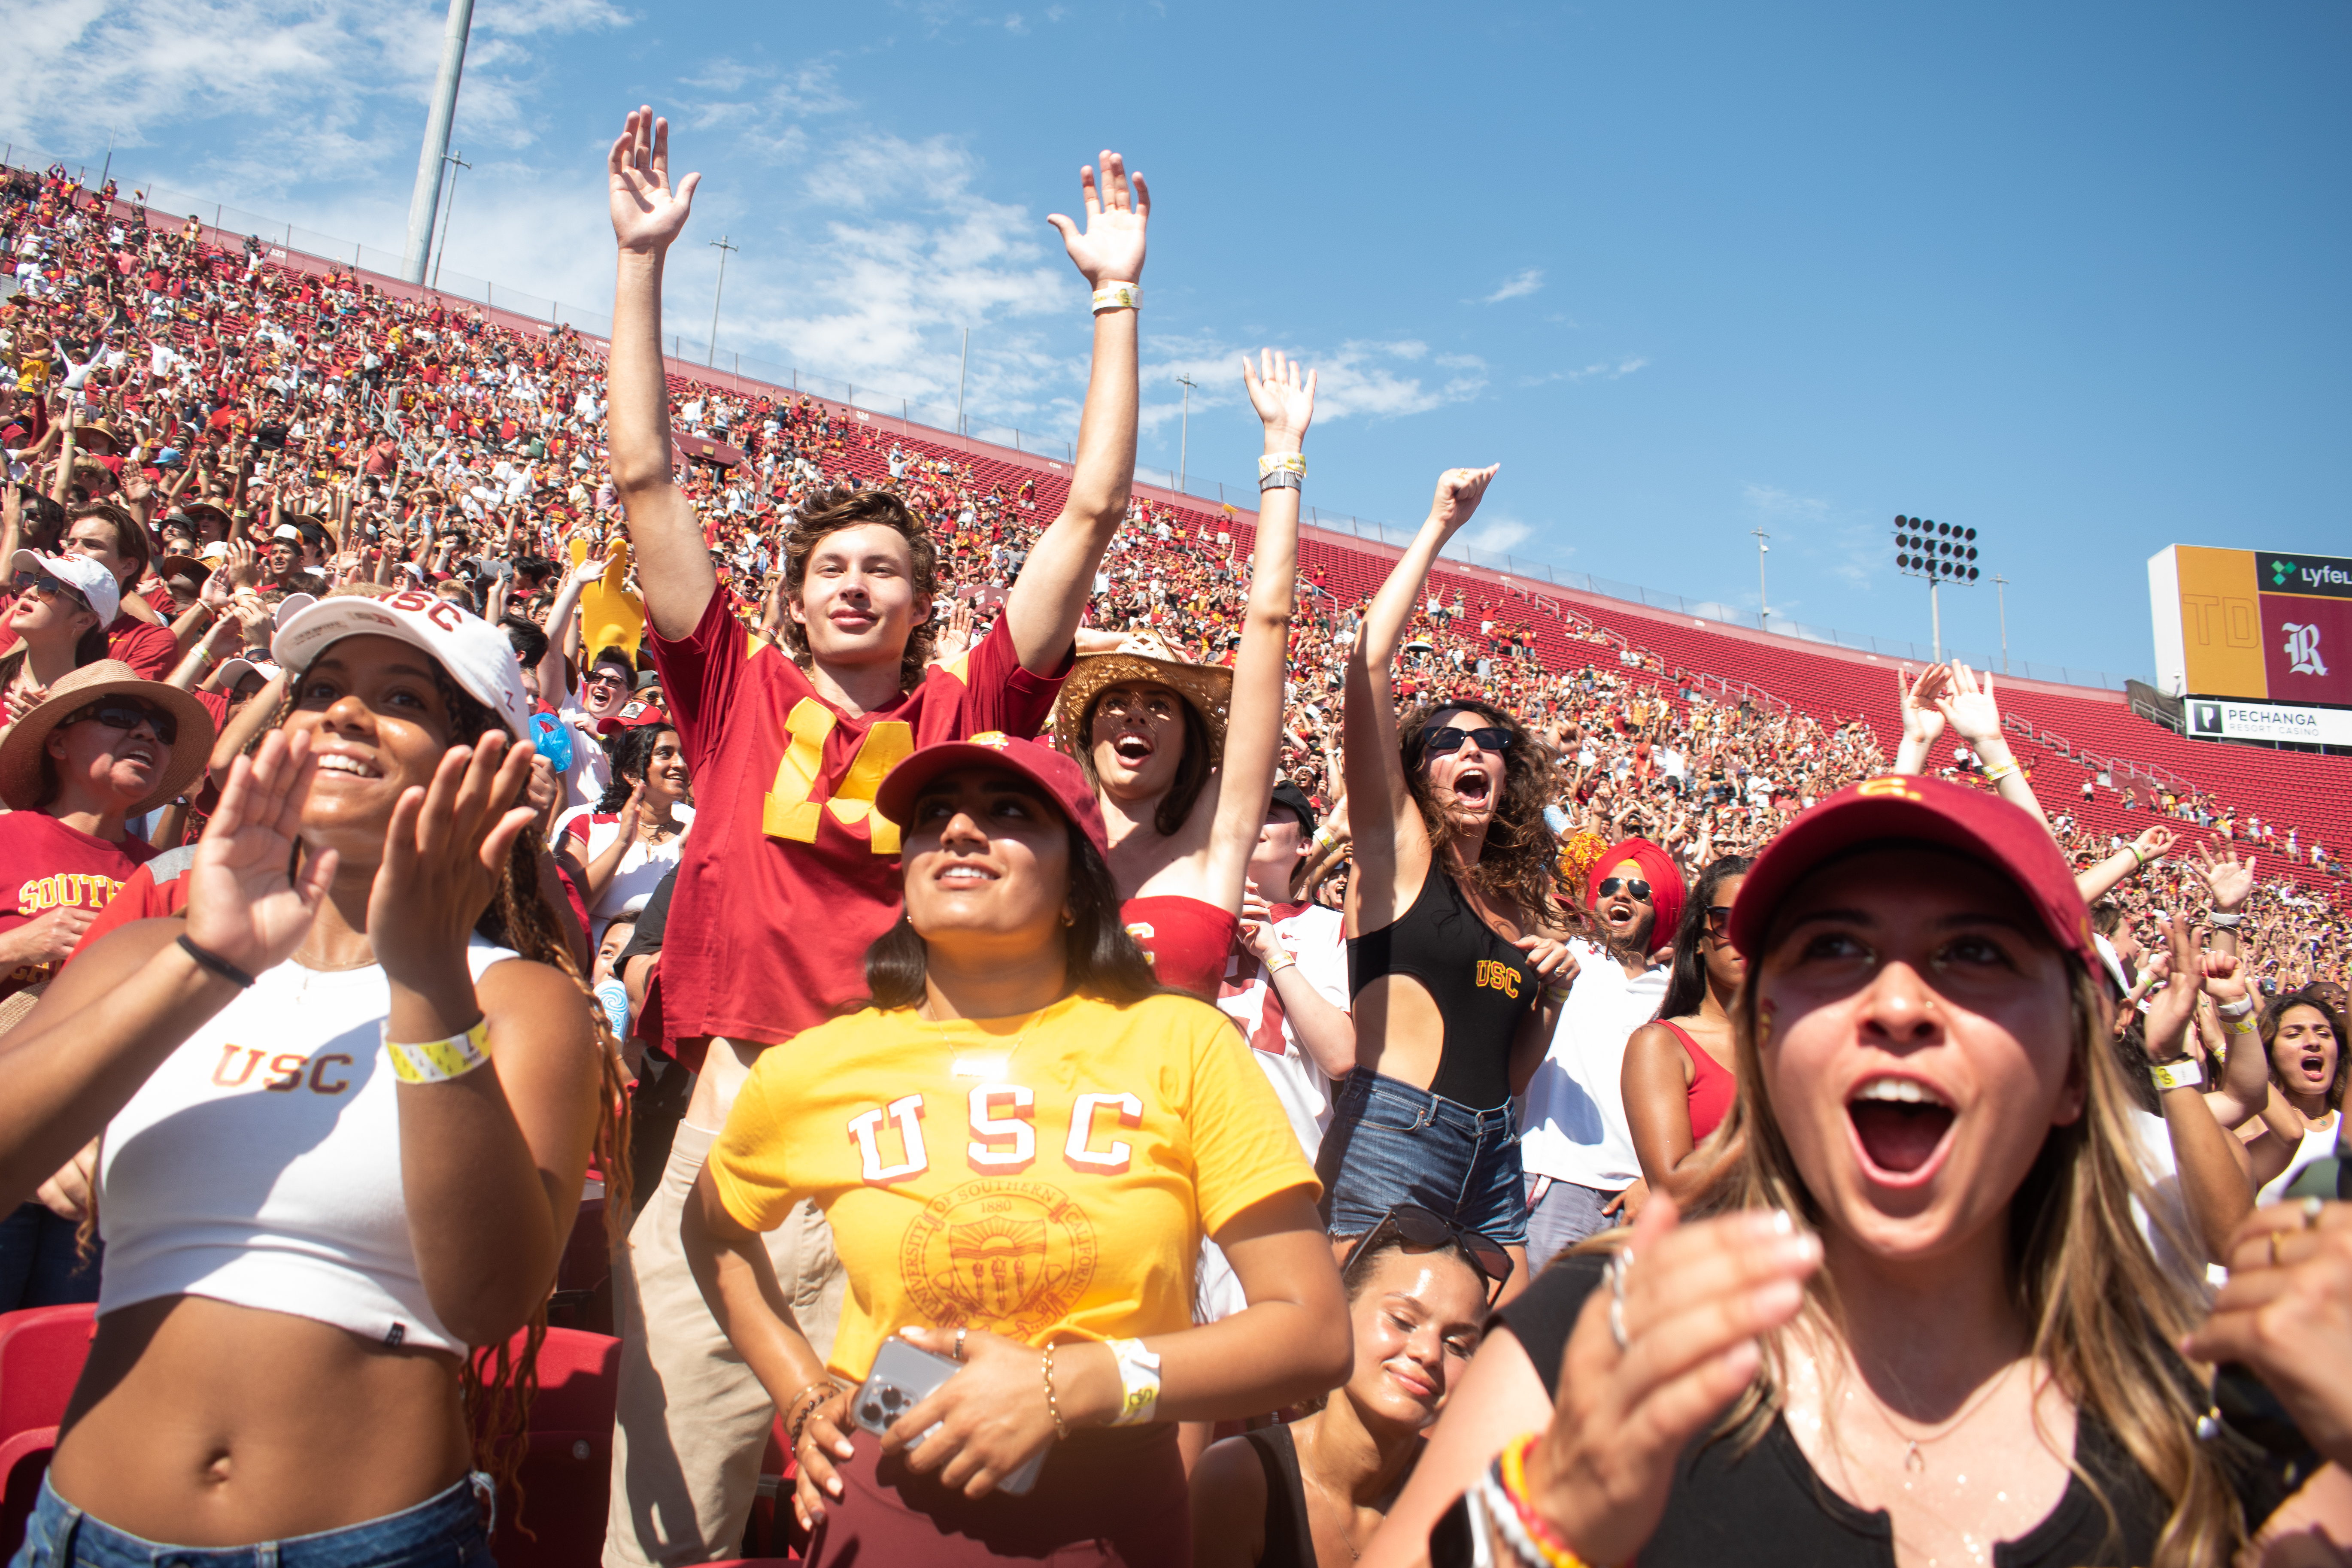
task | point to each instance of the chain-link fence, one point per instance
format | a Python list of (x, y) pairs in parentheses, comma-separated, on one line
[(757, 375)]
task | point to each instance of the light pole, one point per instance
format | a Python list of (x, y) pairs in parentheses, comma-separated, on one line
[(963, 368), (458, 159), (426, 199), (1941, 553), (1184, 432), (2000, 592), (724, 250), (1763, 601)]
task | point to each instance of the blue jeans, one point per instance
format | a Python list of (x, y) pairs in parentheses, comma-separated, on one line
[(450, 1531), (1391, 1143), (38, 1264)]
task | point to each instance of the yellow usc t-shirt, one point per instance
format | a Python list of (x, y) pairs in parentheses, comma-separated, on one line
[(1040, 1179)]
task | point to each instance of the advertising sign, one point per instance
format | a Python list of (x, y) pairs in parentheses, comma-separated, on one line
[(2263, 624), (2217, 718)]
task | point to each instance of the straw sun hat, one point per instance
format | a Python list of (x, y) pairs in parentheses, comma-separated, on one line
[(1144, 659), (27, 739)]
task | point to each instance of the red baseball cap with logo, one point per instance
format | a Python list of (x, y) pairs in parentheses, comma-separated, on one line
[(1044, 766), (1896, 808)]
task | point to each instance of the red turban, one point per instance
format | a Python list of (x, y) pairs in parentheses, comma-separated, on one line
[(1665, 879)]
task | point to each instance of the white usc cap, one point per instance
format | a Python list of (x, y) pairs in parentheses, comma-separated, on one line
[(475, 653)]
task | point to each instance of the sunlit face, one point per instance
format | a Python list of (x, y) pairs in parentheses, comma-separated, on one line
[(1725, 967), (1282, 839), (1138, 737), (665, 770), (858, 603), (1466, 782), (378, 724), (1915, 1043), (608, 951), (1417, 1323), (95, 537), (1626, 919), (2304, 1052), (987, 864), (40, 614), (102, 762), (605, 691)]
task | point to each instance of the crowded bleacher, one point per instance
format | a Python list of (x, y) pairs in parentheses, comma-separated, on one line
[(737, 766)]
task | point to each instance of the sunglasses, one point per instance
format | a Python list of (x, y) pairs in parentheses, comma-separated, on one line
[(608, 678), (1718, 917), (1419, 1227), (1445, 743), (42, 583), (121, 713), (1634, 888)]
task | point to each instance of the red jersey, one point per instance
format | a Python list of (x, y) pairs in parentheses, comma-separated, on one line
[(789, 876), (45, 864), (152, 651)]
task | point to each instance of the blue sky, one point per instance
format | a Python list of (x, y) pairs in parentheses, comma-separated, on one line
[(2070, 275)]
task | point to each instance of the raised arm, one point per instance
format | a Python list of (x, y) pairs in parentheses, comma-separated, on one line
[(673, 564), (1922, 724), (1967, 707), (1043, 609), (1254, 725), (2095, 882), (1391, 846)]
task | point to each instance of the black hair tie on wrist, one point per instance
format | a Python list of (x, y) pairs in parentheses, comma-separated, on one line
[(214, 962)]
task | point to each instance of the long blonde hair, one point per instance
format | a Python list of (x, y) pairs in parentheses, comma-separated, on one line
[(2104, 1314)]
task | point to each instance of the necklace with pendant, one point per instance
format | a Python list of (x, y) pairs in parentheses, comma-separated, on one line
[(1915, 1459)]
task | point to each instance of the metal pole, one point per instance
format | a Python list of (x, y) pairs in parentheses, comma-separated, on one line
[(426, 199), (110, 158), (722, 248), (963, 368), (1936, 618), (2001, 588), (1763, 600), (458, 159), (1185, 432)]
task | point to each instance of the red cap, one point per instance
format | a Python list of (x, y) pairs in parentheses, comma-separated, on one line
[(1897, 806), (1044, 766), (635, 715)]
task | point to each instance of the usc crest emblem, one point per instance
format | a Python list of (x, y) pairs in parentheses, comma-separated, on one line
[(1002, 1253)]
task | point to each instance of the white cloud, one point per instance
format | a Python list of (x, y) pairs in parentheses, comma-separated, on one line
[(1774, 501), (1498, 535), (1358, 379), (1518, 286)]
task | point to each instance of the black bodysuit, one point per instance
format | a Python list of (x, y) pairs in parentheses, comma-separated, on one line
[(1482, 984)]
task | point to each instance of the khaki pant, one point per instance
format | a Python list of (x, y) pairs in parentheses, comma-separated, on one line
[(693, 1421)]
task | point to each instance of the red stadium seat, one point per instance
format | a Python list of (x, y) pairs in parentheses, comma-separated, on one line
[(566, 1475), (41, 1353)]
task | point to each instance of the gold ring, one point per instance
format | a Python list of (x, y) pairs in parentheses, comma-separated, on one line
[(2273, 1239)]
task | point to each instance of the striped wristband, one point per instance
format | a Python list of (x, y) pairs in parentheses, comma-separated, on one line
[(438, 1061)]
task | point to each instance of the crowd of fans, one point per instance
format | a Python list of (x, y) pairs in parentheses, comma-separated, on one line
[(868, 780)]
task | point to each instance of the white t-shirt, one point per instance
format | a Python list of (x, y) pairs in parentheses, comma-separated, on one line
[(643, 865), (2317, 1144), (1574, 1127), (1317, 938)]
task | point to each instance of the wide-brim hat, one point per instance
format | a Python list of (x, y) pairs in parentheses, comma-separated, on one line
[(1144, 659), (199, 507), (97, 437), (27, 739)]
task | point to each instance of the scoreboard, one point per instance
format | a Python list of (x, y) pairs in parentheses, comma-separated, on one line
[(2260, 625)]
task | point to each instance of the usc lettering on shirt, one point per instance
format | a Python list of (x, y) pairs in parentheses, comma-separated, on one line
[(787, 855), (326, 1073), (1494, 975), (1035, 1177)]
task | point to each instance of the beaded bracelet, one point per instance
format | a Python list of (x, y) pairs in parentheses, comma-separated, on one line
[(1053, 1406)]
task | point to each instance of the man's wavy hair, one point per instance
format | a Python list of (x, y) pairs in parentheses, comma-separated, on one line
[(1520, 858), (830, 513)]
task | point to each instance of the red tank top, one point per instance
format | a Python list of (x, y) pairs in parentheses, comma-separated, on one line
[(1187, 941), (1711, 1087)]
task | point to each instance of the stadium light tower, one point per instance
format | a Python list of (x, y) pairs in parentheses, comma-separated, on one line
[(1763, 603), (425, 201), (1941, 553)]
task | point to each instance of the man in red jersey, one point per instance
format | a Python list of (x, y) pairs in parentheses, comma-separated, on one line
[(788, 876)]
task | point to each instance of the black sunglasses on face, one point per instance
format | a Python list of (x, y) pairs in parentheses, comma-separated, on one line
[(1445, 743), (1426, 1229), (1718, 917), (606, 678), (121, 713), (1635, 888), (42, 583)]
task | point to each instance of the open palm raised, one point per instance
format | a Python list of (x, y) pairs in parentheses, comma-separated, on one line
[(1111, 250), (647, 213)]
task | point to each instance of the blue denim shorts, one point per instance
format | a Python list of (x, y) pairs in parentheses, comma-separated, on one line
[(1391, 1143), (451, 1529)]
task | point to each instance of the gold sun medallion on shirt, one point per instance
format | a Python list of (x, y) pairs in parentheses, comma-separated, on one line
[(1002, 1253)]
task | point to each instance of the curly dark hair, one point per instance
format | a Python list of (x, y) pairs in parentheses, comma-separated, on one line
[(830, 513), (631, 751), (1518, 860), (2275, 1009)]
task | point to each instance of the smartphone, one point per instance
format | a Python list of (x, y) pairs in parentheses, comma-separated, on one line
[(902, 1377)]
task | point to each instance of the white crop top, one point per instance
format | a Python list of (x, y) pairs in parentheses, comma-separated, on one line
[(260, 1163)]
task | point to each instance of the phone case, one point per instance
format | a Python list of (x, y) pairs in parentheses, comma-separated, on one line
[(902, 1377)]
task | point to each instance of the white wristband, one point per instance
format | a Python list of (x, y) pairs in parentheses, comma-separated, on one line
[(2182, 1074), (1281, 463), (1138, 1378), (1118, 296)]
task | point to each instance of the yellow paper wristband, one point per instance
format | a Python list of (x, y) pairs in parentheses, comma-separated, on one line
[(1118, 296), (438, 1061), (1281, 463)]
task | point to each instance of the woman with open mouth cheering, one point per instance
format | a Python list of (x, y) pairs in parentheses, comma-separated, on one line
[(1455, 965)]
